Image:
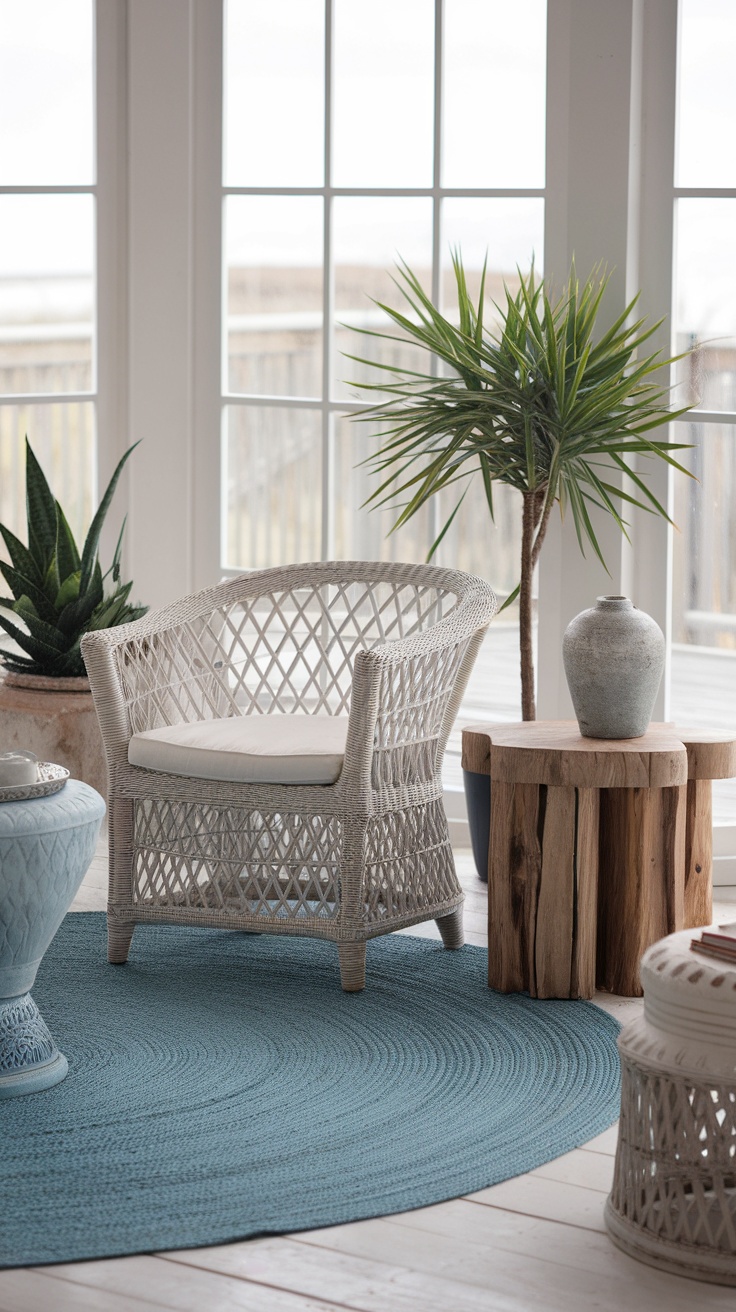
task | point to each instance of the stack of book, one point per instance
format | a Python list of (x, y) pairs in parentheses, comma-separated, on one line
[(719, 942)]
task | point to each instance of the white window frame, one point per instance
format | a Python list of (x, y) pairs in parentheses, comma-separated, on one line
[(327, 405), (159, 149), (611, 81), (91, 189)]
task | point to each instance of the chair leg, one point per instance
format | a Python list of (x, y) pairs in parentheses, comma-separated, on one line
[(352, 966), (451, 928), (119, 936)]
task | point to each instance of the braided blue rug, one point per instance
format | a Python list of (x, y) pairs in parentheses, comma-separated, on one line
[(222, 1085)]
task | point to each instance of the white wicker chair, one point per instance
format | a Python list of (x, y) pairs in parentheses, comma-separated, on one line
[(392, 645)]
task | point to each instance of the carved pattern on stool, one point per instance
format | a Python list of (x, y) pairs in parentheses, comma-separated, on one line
[(24, 1038)]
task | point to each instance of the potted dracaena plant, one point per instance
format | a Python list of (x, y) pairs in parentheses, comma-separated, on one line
[(539, 400), (57, 595)]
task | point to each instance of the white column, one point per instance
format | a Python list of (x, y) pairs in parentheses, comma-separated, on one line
[(596, 167), (648, 562), (207, 290), (172, 230), (111, 123)]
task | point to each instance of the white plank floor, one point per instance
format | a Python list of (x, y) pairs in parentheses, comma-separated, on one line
[(533, 1244)]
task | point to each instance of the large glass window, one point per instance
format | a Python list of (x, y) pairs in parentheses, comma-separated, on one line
[(704, 577), (354, 135), (377, 145), (47, 242)]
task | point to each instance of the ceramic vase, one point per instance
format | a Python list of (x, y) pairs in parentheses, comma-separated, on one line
[(614, 660)]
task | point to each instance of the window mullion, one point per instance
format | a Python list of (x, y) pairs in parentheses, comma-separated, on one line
[(591, 214), (111, 237), (434, 509), (328, 301), (437, 152)]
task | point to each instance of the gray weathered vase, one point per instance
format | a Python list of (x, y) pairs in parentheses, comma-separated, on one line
[(614, 659)]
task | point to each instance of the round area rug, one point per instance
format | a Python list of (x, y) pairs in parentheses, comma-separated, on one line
[(222, 1085)]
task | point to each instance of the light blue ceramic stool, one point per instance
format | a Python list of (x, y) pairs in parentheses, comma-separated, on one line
[(46, 845)]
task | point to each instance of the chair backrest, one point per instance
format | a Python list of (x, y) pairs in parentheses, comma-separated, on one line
[(278, 640)]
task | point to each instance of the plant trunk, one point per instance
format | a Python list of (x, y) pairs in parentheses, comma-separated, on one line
[(533, 529), (528, 707)]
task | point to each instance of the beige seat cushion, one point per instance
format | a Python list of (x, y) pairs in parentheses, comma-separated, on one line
[(267, 749)]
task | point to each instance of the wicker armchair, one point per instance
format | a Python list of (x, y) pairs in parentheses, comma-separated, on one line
[(389, 648)]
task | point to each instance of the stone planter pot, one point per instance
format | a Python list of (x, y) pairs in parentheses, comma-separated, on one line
[(55, 719), (46, 845), (614, 660)]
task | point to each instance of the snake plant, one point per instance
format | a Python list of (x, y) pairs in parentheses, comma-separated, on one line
[(59, 594), (541, 402)]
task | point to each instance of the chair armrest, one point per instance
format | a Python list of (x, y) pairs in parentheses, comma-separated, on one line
[(405, 698), (162, 669), (108, 693)]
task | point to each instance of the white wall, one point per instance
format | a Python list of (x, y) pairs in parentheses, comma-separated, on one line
[(610, 149)]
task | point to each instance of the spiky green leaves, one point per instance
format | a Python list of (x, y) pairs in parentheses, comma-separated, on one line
[(535, 401), (58, 595)]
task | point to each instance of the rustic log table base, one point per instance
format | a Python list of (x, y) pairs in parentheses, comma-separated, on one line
[(598, 848), (542, 889)]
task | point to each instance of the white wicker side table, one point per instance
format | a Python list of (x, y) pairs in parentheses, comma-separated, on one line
[(673, 1202)]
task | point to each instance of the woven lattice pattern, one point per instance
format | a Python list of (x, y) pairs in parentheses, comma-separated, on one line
[(239, 863), (408, 864), (391, 645), (287, 650), (673, 1201), (676, 1167)]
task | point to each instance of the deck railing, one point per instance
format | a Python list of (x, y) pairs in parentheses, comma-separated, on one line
[(275, 455)]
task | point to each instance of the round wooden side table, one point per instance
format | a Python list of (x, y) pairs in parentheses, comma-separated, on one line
[(673, 1202), (598, 848)]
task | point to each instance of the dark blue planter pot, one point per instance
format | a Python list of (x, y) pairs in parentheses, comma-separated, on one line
[(478, 801)]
